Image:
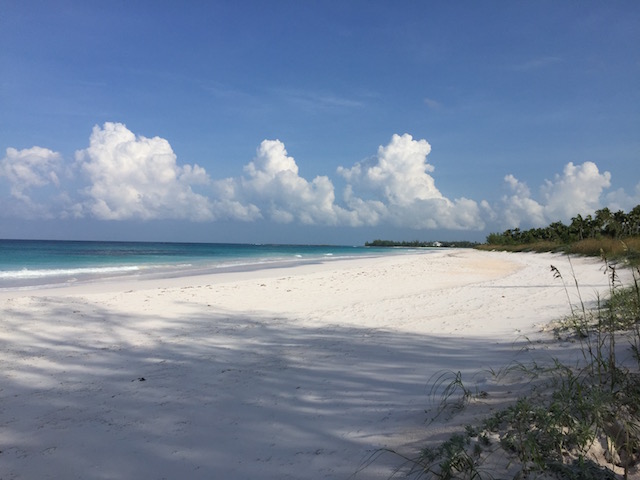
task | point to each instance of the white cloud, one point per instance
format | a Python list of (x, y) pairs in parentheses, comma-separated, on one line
[(29, 173), (578, 190), (393, 187), (398, 172), (519, 206), (272, 188), (31, 167), (364, 212), (620, 200), (229, 206), (396, 186), (134, 177)]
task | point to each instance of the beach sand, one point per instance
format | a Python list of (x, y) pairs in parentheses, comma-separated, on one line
[(290, 373)]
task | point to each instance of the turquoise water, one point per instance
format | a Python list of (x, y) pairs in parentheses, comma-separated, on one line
[(38, 263)]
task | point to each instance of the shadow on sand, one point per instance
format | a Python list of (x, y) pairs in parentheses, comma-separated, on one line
[(87, 392)]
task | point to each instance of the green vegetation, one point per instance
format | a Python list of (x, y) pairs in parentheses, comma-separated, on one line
[(419, 244), (617, 235), (604, 224), (627, 248), (580, 421)]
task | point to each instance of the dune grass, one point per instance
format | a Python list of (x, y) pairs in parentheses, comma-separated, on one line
[(581, 422), (625, 249), (543, 246)]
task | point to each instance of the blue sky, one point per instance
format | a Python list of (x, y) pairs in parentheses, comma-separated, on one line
[(314, 121)]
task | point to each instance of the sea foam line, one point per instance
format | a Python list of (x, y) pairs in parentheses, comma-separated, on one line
[(26, 273)]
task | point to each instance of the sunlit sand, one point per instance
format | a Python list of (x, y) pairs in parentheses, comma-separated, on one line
[(300, 373)]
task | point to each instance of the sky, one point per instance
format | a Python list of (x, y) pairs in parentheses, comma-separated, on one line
[(311, 121)]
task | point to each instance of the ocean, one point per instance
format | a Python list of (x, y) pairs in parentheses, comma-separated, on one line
[(28, 264)]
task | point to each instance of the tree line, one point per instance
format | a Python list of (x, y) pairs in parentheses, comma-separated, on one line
[(418, 244), (603, 223)]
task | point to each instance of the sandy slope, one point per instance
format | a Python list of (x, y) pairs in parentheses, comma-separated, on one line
[(299, 373)]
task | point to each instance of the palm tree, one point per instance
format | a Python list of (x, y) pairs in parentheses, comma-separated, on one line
[(633, 221), (577, 227), (602, 219)]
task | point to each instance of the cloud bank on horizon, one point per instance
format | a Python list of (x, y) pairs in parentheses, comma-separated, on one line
[(124, 176)]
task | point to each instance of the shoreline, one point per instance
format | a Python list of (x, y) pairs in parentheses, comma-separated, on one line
[(212, 274), (31, 279), (297, 372)]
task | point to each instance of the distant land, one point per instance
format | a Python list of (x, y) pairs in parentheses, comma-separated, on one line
[(417, 243)]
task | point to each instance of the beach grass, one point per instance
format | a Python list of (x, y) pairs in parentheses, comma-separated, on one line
[(625, 249), (579, 421), (542, 246)]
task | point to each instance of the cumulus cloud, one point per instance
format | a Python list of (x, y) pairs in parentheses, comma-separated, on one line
[(578, 190), (31, 167), (126, 176), (519, 206), (29, 171), (272, 188), (134, 177), (619, 199), (398, 172), (396, 186), (393, 187)]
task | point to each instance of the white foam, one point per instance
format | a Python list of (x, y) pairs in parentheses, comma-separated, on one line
[(26, 273)]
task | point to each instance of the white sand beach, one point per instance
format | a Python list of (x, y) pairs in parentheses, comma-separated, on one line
[(289, 373)]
